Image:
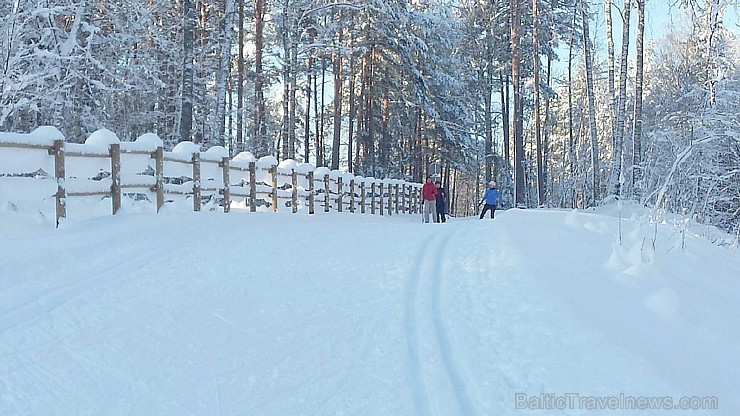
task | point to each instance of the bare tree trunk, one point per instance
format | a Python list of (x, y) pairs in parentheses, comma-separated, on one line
[(546, 131), (318, 146), (571, 147), (505, 115), (537, 122), (240, 82), (488, 121), (616, 173), (186, 108), (285, 38), (610, 66), (219, 128), (519, 196), (369, 111), (359, 146), (591, 104), (307, 124), (637, 130), (261, 147), (322, 107), (352, 108), (487, 100), (336, 139), (384, 134), (292, 106), (713, 13)]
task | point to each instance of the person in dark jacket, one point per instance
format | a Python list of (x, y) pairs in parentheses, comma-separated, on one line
[(490, 198), (441, 202)]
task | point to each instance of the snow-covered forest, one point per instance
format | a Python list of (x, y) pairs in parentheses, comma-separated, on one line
[(532, 94)]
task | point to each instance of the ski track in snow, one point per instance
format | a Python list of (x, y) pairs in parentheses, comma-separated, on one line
[(391, 318), (443, 339), (418, 386), (424, 287), (50, 299)]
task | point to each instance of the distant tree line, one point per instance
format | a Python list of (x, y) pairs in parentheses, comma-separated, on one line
[(390, 88)]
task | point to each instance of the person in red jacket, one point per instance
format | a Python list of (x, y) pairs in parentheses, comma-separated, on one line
[(429, 196)]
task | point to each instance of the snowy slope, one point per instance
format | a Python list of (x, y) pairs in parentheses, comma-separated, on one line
[(263, 314)]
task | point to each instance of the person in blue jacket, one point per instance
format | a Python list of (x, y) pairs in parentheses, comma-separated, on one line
[(491, 197)]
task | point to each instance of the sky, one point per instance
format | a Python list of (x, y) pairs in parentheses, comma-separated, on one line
[(659, 17)]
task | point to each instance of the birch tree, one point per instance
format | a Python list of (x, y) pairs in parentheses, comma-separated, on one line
[(637, 112), (591, 104), (615, 179)]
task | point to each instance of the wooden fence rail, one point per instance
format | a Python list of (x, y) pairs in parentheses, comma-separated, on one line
[(261, 182)]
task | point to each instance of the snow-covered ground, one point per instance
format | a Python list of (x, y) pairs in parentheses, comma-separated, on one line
[(276, 314)]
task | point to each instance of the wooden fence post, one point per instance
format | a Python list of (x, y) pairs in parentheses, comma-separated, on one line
[(326, 193), (226, 191), (59, 175), (390, 199), (372, 198), (115, 176), (412, 196), (196, 181), (273, 173), (352, 196), (252, 187), (419, 202), (362, 197), (403, 197), (340, 193), (294, 191), (310, 193), (381, 198), (412, 204), (158, 156)]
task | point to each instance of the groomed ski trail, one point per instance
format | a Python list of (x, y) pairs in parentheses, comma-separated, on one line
[(423, 308)]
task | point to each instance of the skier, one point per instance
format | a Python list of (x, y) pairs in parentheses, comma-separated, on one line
[(491, 197), (429, 196), (441, 202)]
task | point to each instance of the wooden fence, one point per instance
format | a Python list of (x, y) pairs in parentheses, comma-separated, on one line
[(212, 174)]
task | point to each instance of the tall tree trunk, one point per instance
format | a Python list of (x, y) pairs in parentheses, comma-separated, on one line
[(505, 116), (488, 102), (285, 38), (537, 122), (713, 14), (261, 147), (610, 68), (591, 104), (219, 128), (519, 196), (571, 148), (488, 124), (186, 107), (307, 123), (637, 113), (318, 146), (384, 131), (546, 130), (293, 106), (615, 180), (240, 82), (322, 107), (360, 151), (352, 108), (336, 139), (369, 111)]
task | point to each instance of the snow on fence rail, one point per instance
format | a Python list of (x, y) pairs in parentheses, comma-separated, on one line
[(105, 166)]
